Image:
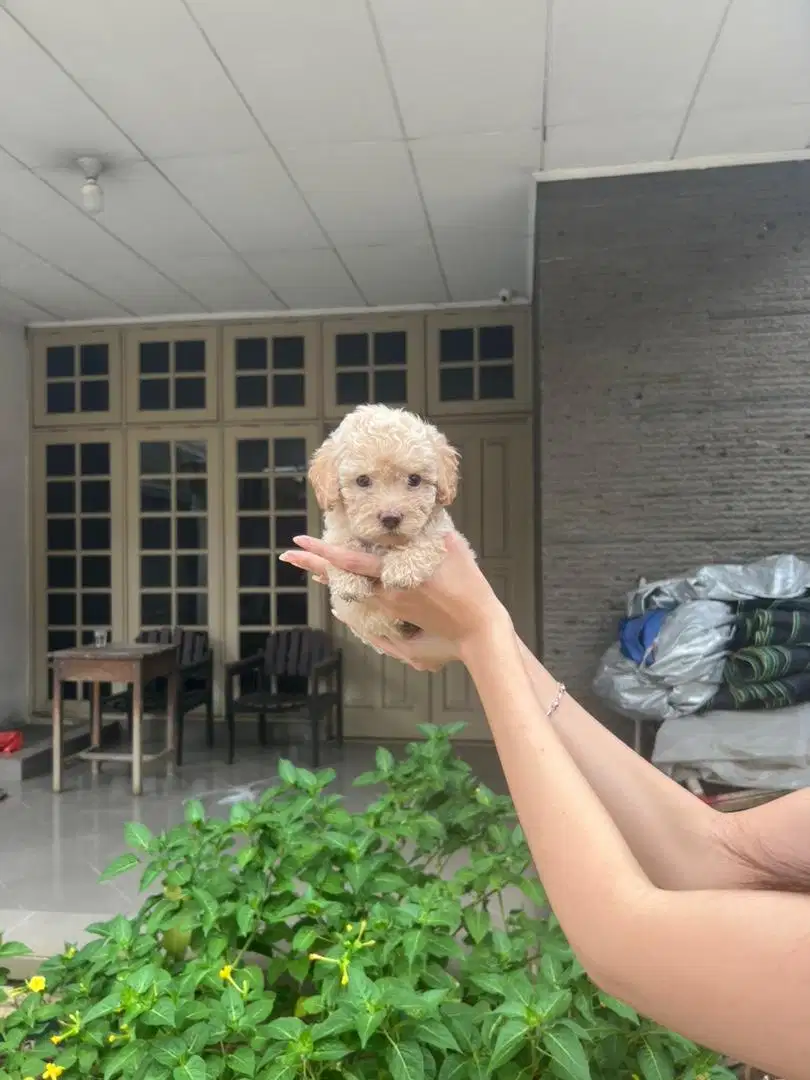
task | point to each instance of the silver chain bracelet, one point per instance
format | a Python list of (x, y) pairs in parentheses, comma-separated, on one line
[(555, 704)]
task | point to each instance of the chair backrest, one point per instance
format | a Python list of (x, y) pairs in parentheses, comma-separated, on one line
[(192, 645), (296, 651)]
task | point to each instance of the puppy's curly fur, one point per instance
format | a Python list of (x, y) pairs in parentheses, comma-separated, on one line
[(383, 479)]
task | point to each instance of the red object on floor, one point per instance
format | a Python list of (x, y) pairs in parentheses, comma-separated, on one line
[(10, 742)]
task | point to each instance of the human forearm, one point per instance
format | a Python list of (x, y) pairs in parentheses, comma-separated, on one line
[(680, 842)]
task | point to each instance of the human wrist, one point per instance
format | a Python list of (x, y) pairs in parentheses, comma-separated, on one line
[(493, 629)]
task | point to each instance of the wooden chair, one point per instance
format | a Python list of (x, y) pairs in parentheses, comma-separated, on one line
[(268, 680), (196, 664)]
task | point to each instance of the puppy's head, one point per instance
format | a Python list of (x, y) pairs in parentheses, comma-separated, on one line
[(388, 470)]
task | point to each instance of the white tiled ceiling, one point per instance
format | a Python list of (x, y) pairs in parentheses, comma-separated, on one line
[(301, 154)]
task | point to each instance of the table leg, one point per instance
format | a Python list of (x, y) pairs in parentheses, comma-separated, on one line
[(56, 733), (137, 733), (95, 724), (172, 701)]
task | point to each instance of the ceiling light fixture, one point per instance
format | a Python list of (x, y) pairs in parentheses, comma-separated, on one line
[(92, 195)]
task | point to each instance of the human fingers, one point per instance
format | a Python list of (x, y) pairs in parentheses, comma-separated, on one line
[(304, 560), (353, 562)]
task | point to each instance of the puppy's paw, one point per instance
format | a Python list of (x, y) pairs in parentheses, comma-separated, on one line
[(401, 570), (350, 587)]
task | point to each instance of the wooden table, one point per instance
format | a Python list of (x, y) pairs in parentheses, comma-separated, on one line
[(135, 664)]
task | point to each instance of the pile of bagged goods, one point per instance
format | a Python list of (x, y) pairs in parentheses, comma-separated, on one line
[(723, 659)]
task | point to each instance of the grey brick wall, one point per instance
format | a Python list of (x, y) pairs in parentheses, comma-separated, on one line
[(674, 387)]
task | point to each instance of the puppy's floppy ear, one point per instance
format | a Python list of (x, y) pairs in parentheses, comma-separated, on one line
[(323, 474), (447, 479)]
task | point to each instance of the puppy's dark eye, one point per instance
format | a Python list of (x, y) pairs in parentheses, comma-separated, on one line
[(363, 481), (414, 480)]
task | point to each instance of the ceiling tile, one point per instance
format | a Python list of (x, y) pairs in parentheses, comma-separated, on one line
[(457, 69), (396, 274), (248, 198), (362, 192), (319, 268), (320, 75), (19, 312), (750, 130), (52, 121), (149, 67), (479, 263), (761, 58), (627, 59), (617, 141), (478, 181), (27, 275), (222, 282), (304, 298)]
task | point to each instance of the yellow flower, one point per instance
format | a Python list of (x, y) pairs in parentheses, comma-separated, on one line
[(36, 985), (226, 972), (52, 1072), (56, 1039)]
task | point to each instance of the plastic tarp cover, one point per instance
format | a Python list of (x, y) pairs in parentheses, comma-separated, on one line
[(691, 647)]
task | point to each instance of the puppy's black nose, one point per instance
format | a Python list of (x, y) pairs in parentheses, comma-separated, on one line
[(390, 521)]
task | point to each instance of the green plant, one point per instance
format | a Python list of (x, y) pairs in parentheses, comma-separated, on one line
[(298, 940)]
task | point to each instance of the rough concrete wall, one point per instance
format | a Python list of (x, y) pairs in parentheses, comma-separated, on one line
[(674, 381), (14, 606)]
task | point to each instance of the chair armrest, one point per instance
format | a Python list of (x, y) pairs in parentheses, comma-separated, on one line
[(197, 666), (328, 665), (241, 667)]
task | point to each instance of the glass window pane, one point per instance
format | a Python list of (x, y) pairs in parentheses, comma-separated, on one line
[(153, 394), (60, 459), (254, 493), (94, 360), (96, 534), (496, 343), (291, 609), (287, 528), (288, 353), (254, 532), (156, 494), (288, 390), (94, 395), (61, 609), (456, 384), (156, 534), (351, 387), (189, 393), (95, 459), (290, 493), (252, 455), (351, 350), (290, 454), (254, 571), (288, 575), (391, 347), (61, 639), (189, 356), (156, 609), (192, 571), (254, 609), (192, 534), (154, 357), (391, 387), (191, 494), (61, 497), (60, 397), (60, 362), (191, 457), (96, 497), (192, 609), (155, 458), (61, 534), (456, 346), (61, 572), (251, 391), (96, 571), (251, 644), (496, 382), (96, 609), (251, 354), (156, 572)]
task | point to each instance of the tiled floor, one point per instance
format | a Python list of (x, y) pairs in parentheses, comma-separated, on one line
[(53, 848)]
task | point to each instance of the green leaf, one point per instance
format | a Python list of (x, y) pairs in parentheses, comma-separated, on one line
[(478, 924), (169, 1050), (245, 919), (436, 1034), (405, 1060), (533, 891), (193, 1069), (141, 980), (509, 1042), (285, 1029), (654, 1062), (13, 948), (242, 1061), (553, 1005), (618, 1007), (138, 836), (122, 1059), (122, 865), (194, 812), (101, 1008), (162, 1013), (234, 1005), (366, 1025), (454, 1068), (385, 761), (415, 943), (241, 813), (566, 1051), (287, 772), (197, 1037), (258, 1011), (304, 939), (335, 1024)]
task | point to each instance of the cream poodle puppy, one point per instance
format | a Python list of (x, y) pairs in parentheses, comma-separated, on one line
[(383, 479)]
